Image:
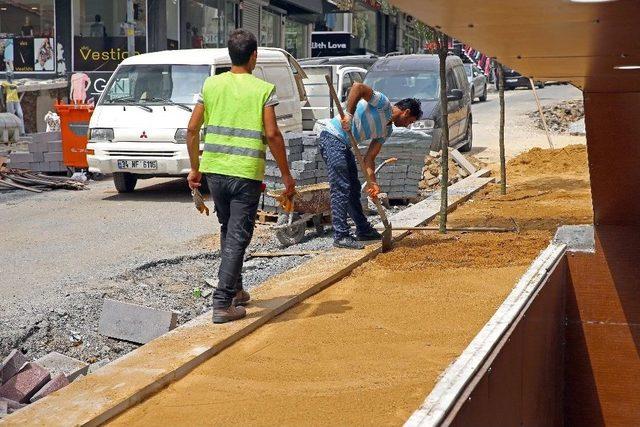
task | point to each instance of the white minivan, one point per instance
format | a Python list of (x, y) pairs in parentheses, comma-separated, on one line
[(139, 126)]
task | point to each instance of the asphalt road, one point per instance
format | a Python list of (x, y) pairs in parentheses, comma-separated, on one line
[(63, 239), (520, 133)]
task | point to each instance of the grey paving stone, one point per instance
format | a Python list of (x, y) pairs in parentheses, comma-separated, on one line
[(135, 323)]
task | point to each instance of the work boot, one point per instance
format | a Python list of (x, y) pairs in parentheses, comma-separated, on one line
[(347, 242), (229, 314), (370, 235), (242, 298)]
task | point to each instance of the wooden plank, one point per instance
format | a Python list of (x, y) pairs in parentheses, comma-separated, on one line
[(120, 385), (462, 161)]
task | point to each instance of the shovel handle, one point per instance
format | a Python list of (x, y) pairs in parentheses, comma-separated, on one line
[(356, 151)]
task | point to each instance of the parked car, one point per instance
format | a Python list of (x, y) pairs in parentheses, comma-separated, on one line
[(513, 80), (139, 126), (477, 82), (418, 76), (320, 105), (362, 61)]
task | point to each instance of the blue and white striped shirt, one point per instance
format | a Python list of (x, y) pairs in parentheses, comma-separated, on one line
[(371, 121)]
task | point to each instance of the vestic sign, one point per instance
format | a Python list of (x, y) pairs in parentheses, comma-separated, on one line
[(330, 43)]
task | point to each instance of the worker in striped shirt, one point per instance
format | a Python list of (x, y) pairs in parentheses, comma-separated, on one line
[(370, 116)]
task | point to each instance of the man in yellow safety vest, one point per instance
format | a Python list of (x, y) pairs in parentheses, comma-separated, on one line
[(237, 111)]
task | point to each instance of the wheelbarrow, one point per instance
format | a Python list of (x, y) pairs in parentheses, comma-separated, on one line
[(311, 202)]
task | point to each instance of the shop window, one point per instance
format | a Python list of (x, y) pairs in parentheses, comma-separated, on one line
[(100, 33), (208, 22), (270, 29), (333, 22), (365, 28), (27, 38), (173, 27), (295, 38)]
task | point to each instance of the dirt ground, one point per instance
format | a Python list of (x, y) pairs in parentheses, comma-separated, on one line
[(369, 349)]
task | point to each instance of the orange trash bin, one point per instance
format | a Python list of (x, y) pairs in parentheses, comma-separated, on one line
[(74, 125)]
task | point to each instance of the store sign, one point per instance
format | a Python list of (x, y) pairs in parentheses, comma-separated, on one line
[(102, 54), (330, 43)]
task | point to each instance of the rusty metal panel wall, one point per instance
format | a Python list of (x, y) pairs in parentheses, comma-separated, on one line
[(603, 331), (613, 135), (523, 384)]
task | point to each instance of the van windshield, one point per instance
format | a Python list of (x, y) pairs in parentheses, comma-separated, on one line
[(156, 84), (424, 86)]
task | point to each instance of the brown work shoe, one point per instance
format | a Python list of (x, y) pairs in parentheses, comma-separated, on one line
[(229, 314), (242, 298)]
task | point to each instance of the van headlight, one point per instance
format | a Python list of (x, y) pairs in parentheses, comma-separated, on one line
[(101, 134), (423, 124), (181, 136)]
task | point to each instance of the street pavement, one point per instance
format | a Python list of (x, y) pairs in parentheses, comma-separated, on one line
[(62, 241), (520, 133)]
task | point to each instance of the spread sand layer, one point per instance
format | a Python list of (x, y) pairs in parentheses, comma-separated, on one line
[(368, 349)]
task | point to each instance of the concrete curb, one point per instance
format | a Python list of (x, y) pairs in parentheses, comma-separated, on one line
[(130, 379)]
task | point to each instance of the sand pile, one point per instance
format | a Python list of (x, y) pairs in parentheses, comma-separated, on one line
[(570, 159)]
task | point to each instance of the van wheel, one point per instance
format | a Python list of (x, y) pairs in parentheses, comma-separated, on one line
[(483, 98), (467, 147), (124, 182)]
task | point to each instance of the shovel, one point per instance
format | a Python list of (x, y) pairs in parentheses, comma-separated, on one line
[(386, 234)]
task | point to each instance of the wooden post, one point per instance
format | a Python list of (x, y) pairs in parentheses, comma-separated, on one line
[(503, 162), (443, 50), (544, 121)]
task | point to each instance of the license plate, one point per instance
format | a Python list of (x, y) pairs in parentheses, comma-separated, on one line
[(512, 80), (138, 164)]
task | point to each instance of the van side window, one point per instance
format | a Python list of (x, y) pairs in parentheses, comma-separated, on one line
[(461, 76), (452, 82), (280, 77), (346, 85), (220, 70)]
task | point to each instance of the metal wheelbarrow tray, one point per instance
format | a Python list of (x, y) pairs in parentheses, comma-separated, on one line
[(309, 202)]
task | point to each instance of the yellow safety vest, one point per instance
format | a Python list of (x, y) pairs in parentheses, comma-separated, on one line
[(234, 142)]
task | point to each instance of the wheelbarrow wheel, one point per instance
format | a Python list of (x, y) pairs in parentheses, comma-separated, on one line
[(292, 234)]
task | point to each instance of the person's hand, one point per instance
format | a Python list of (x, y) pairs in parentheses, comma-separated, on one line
[(346, 121), (289, 185), (373, 190), (194, 179)]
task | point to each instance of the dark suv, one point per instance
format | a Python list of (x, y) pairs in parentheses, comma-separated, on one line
[(513, 80), (418, 76)]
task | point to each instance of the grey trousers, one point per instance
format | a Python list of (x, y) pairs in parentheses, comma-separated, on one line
[(236, 201)]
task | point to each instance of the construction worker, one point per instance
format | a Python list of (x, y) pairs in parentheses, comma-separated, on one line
[(237, 110), (369, 115)]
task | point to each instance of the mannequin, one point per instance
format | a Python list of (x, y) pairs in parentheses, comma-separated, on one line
[(27, 28), (62, 66), (80, 82), (8, 54), (13, 100)]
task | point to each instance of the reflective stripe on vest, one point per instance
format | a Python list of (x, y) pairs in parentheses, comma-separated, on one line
[(238, 151), (242, 133)]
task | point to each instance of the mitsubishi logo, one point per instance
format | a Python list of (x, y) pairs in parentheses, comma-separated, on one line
[(143, 135)]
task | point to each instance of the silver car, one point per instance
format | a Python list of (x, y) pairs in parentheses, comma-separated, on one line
[(477, 82)]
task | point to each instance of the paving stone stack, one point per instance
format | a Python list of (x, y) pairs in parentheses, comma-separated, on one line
[(43, 154), (305, 162), (431, 172), (400, 180), (23, 382)]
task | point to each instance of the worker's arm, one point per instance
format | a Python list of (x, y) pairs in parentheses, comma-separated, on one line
[(276, 145), (370, 167), (358, 92), (193, 145)]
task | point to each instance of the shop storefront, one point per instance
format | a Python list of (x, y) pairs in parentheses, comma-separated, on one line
[(27, 37)]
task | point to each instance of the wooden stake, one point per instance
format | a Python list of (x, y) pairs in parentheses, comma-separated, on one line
[(544, 121), (503, 161), (444, 143), (279, 254), (459, 229)]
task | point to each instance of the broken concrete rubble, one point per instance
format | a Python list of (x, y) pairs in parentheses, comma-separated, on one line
[(56, 383), (135, 323), (11, 365), (57, 363), (22, 386)]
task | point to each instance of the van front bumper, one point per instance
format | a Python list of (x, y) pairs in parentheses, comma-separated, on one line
[(170, 159)]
